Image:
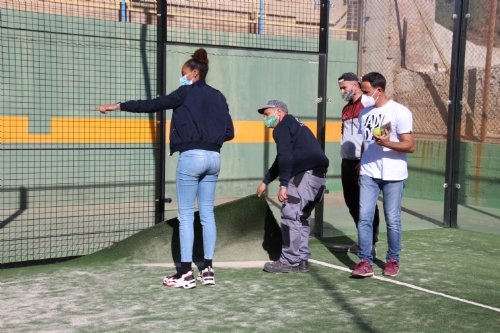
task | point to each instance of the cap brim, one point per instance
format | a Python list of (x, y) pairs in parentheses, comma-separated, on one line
[(262, 108)]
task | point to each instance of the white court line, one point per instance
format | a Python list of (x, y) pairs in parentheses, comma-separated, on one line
[(222, 264), (345, 269)]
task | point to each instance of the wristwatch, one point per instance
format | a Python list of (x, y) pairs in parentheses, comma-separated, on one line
[(283, 187)]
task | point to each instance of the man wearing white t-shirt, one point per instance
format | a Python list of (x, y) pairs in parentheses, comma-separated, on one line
[(383, 168)]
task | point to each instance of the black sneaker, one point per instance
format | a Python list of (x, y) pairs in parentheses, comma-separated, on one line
[(279, 267), (304, 266)]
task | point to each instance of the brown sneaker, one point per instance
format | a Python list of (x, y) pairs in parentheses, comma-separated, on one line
[(362, 268), (391, 268), (279, 267), (354, 248)]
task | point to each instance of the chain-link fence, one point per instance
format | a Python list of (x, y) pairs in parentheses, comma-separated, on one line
[(73, 182), (481, 114), (420, 46), (410, 42)]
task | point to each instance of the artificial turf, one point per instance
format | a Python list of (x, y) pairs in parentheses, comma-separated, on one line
[(129, 298), (457, 262), (246, 229), (111, 291)]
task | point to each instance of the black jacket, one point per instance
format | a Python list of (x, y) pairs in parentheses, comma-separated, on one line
[(298, 151), (200, 119)]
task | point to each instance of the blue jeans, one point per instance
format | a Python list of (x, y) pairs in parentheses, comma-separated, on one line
[(392, 194), (196, 177)]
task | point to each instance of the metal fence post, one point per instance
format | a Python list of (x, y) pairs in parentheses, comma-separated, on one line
[(455, 103), (487, 69), (322, 99), (161, 76), (361, 34)]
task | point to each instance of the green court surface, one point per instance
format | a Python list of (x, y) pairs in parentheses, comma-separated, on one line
[(448, 282)]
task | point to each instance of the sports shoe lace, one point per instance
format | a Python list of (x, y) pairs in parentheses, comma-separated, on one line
[(392, 265), (362, 263)]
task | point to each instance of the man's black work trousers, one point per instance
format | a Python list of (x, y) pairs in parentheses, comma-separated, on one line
[(350, 185)]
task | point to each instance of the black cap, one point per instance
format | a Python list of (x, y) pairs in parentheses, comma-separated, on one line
[(348, 77)]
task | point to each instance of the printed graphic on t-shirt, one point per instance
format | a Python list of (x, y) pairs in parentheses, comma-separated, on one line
[(372, 121)]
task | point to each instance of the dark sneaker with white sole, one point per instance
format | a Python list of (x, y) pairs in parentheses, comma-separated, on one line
[(279, 267), (354, 248), (185, 281), (206, 277), (304, 266), (362, 269)]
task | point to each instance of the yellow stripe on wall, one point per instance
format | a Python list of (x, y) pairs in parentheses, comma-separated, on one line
[(94, 130)]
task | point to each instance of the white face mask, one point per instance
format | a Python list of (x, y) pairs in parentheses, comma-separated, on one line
[(368, 100)]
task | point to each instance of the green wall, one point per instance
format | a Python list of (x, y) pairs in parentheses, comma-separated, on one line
[(249, 79), (479, 172), (59, 66), (67, 65)]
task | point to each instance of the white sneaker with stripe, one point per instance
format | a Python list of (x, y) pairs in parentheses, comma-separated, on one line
[(206, 276), (186, 281)]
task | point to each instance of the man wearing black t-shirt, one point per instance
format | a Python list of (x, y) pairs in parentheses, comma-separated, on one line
[(301, 167)]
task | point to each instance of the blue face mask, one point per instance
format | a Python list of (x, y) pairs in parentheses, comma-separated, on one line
[(271, 121), (185, 81)]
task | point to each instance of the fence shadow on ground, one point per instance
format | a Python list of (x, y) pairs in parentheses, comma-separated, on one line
[(341, 255)]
